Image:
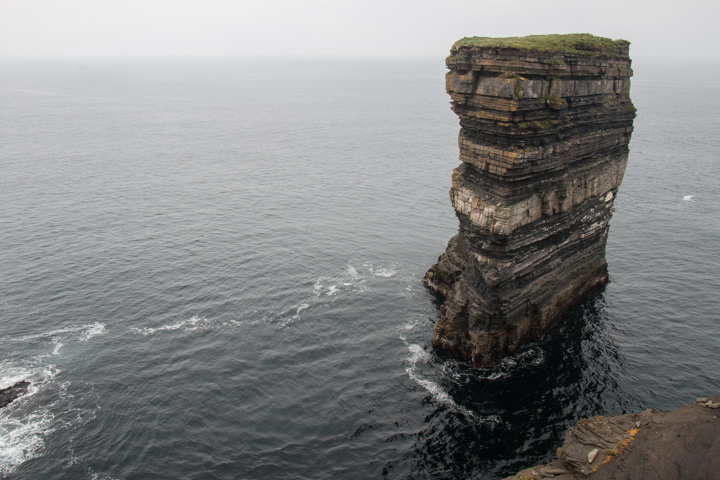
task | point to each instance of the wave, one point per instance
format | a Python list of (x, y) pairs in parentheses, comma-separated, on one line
[(23, 428), (318, 287), (23, 439), (355, 276), (87, 331), (418, 355), (351, 273), (381, 271), (27, 422), (384, 272), (438, 393), (193, 323), (531, 357), (92, 331)]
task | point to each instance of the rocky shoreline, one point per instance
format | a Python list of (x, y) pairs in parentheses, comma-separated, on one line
[(682, 444), (9, 394)]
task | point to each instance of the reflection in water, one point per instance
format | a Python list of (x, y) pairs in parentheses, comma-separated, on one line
[(523, 405)]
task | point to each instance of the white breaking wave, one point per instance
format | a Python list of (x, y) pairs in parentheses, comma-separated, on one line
[(192, 323), (92, 331), (22, 438), (318, 287), (497, 375), (354, 276), (688, 198), (353, 279), (37, 375), (351, 273), (301, 308), (86, 331), (384, 272), (533, 356), (23, 433), (417, 354), (25, 425), (296, 316), (10, 375)]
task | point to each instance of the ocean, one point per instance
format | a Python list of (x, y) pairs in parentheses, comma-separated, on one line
[(210, 269)]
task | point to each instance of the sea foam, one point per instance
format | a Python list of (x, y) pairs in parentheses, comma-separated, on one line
[(193, 323), (86, 331), (24, 428)]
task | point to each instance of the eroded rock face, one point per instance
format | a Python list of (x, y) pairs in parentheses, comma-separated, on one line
[(681, 444), (544, 144)]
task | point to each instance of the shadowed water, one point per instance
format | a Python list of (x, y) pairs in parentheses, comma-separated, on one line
[(211, 269)]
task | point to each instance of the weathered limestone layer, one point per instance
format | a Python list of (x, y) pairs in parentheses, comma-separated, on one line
[(544, 139), (681, 444)]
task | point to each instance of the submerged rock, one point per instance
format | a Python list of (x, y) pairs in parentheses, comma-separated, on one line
[(9, 394), (545, 126), (681, 444)]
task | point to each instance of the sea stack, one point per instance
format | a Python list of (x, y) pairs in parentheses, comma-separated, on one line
[(545, 123)]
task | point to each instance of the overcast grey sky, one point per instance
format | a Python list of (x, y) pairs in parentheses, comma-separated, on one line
[(340, 28)]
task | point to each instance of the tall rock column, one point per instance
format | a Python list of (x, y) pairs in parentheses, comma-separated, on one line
[(545, 124)]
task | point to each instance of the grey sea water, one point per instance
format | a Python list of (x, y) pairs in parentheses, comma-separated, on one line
[(211, 269)]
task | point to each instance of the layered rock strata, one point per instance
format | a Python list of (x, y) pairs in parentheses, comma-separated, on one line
[(545, 125)]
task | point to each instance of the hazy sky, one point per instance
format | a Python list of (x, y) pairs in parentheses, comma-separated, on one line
[(339, 28)]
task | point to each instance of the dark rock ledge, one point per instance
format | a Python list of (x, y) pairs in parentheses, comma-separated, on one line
[(683, 444), (9, 394)]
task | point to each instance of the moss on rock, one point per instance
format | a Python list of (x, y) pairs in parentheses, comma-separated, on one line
[(574, 43)]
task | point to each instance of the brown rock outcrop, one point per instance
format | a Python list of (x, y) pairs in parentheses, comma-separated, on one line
[(545, 125), (683, 444)]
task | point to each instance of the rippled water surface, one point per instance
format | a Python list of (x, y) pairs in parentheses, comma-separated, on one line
[(211, 269)]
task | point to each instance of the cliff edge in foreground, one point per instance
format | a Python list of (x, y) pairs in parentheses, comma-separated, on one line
[(683, 444), (545, 125)]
